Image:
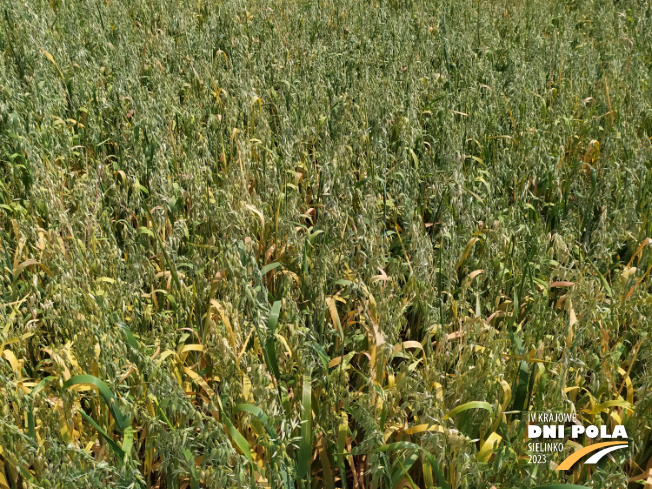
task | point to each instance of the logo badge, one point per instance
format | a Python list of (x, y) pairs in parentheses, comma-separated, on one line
[(547, 432)]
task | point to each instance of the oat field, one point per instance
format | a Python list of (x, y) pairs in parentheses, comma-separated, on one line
[(322, 243)]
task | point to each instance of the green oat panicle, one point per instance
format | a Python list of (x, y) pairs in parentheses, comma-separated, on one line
[(333, 244)]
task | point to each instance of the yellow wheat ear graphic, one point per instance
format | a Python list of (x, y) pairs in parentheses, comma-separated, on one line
[(608, 446)]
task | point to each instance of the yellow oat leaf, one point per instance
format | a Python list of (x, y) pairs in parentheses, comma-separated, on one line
[(489, 447), (199, 381)]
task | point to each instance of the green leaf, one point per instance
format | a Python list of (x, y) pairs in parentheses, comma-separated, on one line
[(608, 404), (401, 466), (256, 411), (343, 282), (469, 405), (323, 356), (603, 280), (432, 461), (270, 267), (41, 385), (119, 452), (520, 398), (415, 159), (190, 460), (273, 317), (105, 393), (144, 230), (314, 235), (305, 445), (131, 340), (31, 426), (270, 343), (238, 439), (128, 440)]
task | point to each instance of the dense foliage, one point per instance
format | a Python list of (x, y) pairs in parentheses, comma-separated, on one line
[(321, 243)]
